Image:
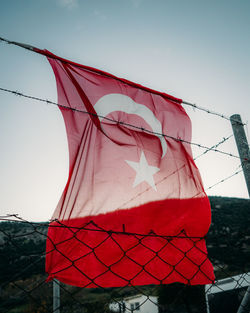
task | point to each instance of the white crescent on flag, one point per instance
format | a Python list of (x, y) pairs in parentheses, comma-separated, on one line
[(118, 102)]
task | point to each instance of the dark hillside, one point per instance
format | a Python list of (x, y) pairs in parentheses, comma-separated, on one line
[(228, 240)]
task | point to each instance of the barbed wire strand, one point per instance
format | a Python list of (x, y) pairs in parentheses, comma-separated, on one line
[(18, 93), (209, 111), (87, 226), (242, 165), (224, 179), (36, 50), (213, 147)]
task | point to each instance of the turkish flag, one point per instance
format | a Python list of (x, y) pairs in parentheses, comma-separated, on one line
[(134, 211)]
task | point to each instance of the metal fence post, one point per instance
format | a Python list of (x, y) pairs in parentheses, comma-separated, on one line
[(243, 148), (245, 303), (56, 296), (206, 298), (242, 145)]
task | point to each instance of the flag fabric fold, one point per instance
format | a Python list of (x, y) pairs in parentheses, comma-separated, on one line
[(134, 211)]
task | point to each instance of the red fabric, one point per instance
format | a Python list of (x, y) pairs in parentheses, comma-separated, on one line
[(134, 210)]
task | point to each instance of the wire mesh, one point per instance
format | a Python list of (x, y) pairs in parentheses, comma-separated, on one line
[(24, 287)]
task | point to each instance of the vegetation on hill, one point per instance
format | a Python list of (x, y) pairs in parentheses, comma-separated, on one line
[(228, 240)]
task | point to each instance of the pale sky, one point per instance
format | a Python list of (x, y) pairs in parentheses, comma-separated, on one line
[(194, 50)]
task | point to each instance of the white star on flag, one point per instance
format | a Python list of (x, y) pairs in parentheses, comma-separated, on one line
[(144, 172)]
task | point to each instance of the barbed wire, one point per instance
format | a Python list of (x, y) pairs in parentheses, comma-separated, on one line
[(39, 51), (18, 93), (224, 179), (239, 169), (213, 147), (88, 227), (193, 105)]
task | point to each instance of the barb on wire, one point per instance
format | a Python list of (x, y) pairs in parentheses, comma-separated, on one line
[(241, 166), (120, 122), (213, 147), (36, 50), (193, 105), (224, 179)]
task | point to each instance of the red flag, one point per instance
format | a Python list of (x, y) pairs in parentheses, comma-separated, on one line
[(134, 211)]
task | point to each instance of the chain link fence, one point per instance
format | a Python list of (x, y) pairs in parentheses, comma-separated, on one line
[(24, 287)]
